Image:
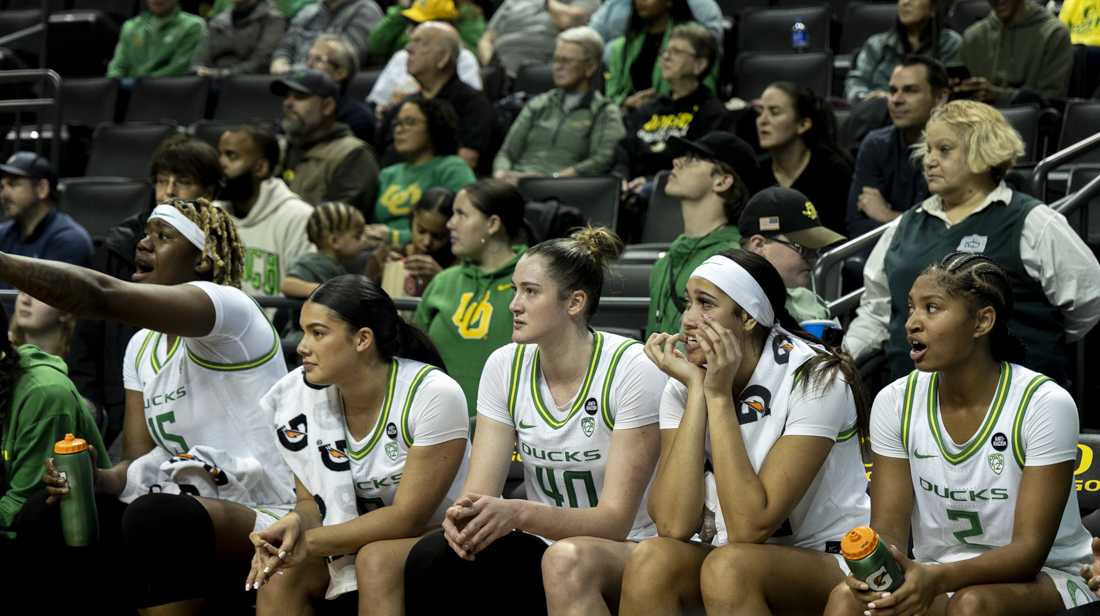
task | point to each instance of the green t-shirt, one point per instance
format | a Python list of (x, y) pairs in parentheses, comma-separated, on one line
[(465, 312), (152, 46), (400, 187), (316, 267), (45, 406), (683, 256)]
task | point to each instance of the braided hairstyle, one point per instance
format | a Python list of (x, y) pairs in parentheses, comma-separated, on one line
[(981, 282), (332, 217), (11, 370), (223, 257)]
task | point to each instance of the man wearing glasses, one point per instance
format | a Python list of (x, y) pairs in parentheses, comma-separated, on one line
[(781, 225)]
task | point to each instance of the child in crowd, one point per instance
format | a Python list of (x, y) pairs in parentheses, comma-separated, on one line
[(336, 229), (429, 250)]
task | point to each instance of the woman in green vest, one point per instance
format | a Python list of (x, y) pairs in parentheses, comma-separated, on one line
[(464, 309), (967, 149)]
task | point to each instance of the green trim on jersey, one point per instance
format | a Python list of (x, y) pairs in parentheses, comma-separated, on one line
[(141, 350), (536, 396), (380, 424), (405, 434), (158, 366), (247, 365), (907, 408), (1018, 423), (980, 437), (513, 380), (608, 420), (847, 435)]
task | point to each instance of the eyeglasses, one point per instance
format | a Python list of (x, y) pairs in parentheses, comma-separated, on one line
[(670, 51), (805, 253), (563, 61)]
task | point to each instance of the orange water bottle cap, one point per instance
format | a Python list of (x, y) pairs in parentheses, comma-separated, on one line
[(859, 543), (71, 444)]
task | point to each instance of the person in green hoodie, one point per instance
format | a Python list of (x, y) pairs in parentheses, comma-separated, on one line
[(464, 309), (712, 178), (161, 42), (39, 405), (1019, 52)]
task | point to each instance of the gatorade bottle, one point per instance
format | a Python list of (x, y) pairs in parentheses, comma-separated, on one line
[(870, 560), (78, 513)]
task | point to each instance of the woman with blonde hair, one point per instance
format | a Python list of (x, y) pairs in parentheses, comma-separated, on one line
[(38, 323), (967, 149)]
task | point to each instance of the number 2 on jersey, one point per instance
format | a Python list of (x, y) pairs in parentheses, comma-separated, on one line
[(975, 529), (549, 486)]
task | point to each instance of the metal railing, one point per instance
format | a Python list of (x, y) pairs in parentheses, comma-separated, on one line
[(47, 102), (826, 278), (1061, 157)]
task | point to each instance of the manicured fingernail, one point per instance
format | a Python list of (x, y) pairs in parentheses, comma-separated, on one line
[(282, 554), (246, 587), (267, 570)]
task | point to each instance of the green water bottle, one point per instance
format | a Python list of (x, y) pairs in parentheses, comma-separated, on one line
[(78, 514), (870, 560)]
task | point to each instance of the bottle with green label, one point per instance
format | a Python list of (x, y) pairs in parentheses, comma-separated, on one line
[(79, 522), (870, 560)]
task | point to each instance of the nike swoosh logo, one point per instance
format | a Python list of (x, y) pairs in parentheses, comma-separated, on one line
[(919, 456), (524, 425)]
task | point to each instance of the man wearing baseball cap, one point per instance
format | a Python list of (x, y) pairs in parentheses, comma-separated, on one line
[(712, 177), (35, 227), (781, 225), (324, 161)]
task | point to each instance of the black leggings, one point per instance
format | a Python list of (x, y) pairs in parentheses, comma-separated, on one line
[(158, 549), (512, 566)]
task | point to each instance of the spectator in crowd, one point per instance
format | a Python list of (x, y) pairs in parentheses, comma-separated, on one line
[(337, 231), (352, 19), (887, 181), (570, 130), (289, 8), (241, 41), (270, 219), (634, 75), (433, 49), (395, 29), (781, 225), (35, 227), (161, 42), (611, 19), (38, 407), (798, 131), (920, 29), (525, 31), (324, 161), (429, 252), (1018, 53), (38, 323), (967, 149), (395, 83), (426, 137), (464, 309), (711, 178), (334, 56), (689, 110), (1081, 17), (181, 168)]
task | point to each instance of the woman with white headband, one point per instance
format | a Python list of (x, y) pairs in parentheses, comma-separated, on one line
[(777, 417), (199, 467)]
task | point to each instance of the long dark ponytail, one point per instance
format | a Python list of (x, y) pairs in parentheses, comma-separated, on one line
[(821, 370), (11, 370), (360, 302)]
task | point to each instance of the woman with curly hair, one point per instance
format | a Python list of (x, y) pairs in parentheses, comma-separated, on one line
[(196, 454)]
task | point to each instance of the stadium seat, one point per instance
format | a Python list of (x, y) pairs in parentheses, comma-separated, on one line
[(755, 71), (966, 13), (210, 131), (769, 29), (534, 79), (493, 82), (1025, 119), (118, 10), (19, 5), (176, 99), (733, 8), (663, 219), (862, 20), (88, 102), (597, 197), (124, 150), (1087, 216), (91, 31), (1082, 119), (248, 97), (627, 280), (362, 83), (99, 204)]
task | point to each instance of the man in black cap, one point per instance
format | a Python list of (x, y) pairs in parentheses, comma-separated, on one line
[(324, 161), (781, 225), (713, 178), (35, 228)]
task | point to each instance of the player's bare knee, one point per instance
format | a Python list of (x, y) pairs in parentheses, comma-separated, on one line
[(727, 570), (842, 602), (970, 602), (374, 567), (565, 567), (652, 566)]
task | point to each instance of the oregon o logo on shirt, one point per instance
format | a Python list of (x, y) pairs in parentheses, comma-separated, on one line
[(472, 320), (399, 201)]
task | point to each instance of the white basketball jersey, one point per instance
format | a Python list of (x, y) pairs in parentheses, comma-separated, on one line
[(966, 495), (191, 401), (378, 460), (565, 453)]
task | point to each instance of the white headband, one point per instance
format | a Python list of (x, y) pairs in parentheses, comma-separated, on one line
[(736, 282), (181, 223)]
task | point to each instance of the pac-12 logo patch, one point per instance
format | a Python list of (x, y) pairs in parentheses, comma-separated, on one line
[(391, 430), (999, 441), (391, 450), (293, 435), (996, 462), (333, 456), (755, 403), (588, 425), (591, 407)]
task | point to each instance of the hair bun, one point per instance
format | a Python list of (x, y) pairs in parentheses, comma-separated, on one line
[(600, 242)]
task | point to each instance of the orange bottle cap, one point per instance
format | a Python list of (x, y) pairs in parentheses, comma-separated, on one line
[(71, 444), (859, 543)]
